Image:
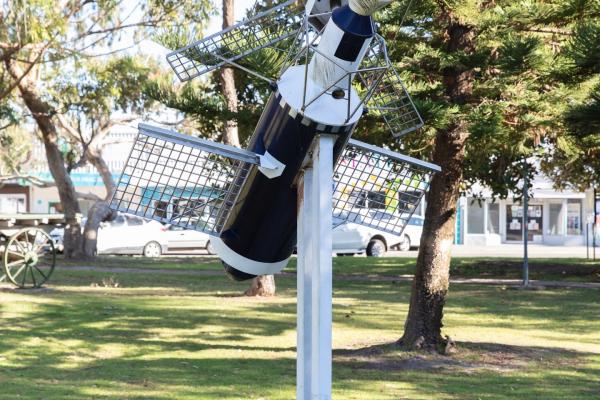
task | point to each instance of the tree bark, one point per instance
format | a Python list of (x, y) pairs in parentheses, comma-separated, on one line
[(230, 130), (95, 158), (100, 211), (42, 114), (423, 327), (263, 285)]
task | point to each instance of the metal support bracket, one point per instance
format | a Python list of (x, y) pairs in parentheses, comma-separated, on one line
[(270, 166)]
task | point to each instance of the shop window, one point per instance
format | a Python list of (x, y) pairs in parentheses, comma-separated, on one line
[(494, 218), (557, 220), (574, 217), (514, 221), (475, 217), (160, 208)]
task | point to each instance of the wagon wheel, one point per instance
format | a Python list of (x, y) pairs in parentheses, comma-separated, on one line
[(29, 258)]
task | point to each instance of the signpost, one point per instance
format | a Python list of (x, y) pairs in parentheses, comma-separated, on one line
[(596, 223), (525, 224)]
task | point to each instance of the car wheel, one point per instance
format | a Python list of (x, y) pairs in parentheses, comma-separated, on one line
[(152, 249), (376, 248), (209, 248), (405, 244)]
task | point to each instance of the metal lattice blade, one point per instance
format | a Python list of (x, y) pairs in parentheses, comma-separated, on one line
[(181, 180), (263, 30), (389, 97), (378, 188)]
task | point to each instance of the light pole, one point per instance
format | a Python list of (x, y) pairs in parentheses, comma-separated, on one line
[(595, 224), (525, 224)]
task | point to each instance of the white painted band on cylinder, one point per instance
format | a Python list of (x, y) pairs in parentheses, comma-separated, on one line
[(367, 7), (322, 70), (245, 264)]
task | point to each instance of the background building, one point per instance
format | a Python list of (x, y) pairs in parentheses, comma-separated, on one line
[(21, 196), (555, 217)]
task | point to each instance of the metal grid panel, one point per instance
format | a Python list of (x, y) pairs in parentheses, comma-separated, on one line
[(263, 30), (390, 99), (378, 188), (181, 180)]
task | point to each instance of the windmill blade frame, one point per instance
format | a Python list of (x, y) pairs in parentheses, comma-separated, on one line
[(181, 180), (263, 30), (378, 188), (390, 99)]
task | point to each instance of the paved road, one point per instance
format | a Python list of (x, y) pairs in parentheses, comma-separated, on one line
[(503, 250), (510, 250)]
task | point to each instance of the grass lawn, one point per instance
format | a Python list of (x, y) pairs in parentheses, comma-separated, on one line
[(162, 336)]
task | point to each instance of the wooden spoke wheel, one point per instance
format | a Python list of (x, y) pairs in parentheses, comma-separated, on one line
[(29, 258)]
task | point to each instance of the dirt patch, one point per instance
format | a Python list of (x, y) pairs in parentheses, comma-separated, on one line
[(470, 358)]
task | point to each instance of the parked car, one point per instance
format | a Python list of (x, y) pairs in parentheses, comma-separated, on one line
[(57, 236), (351, 238), (128, 234), (180, 239)]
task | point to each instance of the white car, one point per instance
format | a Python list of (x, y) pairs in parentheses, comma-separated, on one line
[(351, 238), (180, 239), (128, 234)]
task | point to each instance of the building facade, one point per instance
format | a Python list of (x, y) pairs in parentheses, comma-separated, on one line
[(558, 218), (21, 196)]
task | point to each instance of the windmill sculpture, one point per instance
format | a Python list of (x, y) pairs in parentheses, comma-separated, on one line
[(259, 203)]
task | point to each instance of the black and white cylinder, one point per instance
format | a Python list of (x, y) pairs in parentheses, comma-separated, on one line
[(259, 235)]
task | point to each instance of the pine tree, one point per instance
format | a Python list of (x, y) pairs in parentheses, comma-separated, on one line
[(488, 78), (575, 159)]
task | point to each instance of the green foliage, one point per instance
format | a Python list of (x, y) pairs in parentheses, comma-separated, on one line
[(526, 59), (102, 87), (575, 157), (202, 100), (15, 148), (61, 48), (522, 58)]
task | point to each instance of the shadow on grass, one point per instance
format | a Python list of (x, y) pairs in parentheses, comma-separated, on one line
[(481, 370), (195, 344)]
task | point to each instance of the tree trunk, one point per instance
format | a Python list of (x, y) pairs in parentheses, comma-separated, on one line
[(42, 114), (100, 211), (95, 158), (230, 131), (423, 327), (263, 285)]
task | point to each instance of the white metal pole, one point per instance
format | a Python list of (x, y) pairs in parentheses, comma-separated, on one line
[(315, 275), (304, 296)]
